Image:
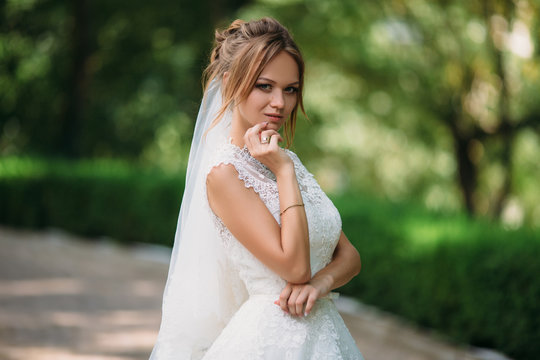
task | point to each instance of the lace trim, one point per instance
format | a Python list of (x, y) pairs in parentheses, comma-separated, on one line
[(256, 175), (252, 172)]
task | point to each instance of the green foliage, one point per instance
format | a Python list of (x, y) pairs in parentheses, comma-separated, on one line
[(474, 281), (386, 82), (393, 86), (108, 77), (90, 198)]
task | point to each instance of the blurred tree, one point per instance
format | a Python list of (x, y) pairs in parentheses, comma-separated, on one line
[(452, 77), (101, 78), (77, 86), (412, 99), (472, 121)]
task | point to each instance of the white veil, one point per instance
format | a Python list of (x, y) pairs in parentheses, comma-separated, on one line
[(201, 293)]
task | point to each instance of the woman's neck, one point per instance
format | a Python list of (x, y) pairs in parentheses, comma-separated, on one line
[(237, 131)]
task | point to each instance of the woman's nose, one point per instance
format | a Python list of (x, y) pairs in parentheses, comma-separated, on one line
[(277, 100)]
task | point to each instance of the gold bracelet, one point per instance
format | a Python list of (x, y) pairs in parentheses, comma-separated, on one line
[(281, 213)]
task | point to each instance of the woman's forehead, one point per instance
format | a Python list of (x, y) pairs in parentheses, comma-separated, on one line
[(281, 69)]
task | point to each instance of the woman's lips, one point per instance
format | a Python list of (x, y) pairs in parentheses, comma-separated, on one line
[(274, 117)]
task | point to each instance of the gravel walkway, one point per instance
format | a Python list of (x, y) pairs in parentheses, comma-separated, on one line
[(67, 298)]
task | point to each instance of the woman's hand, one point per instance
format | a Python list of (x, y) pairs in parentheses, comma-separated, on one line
[(344, 266), (299, 299), (263, 146)]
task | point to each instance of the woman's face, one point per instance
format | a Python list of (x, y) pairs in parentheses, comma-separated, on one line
[(274, 96)]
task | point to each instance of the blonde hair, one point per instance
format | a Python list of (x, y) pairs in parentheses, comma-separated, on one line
[(243, 50)]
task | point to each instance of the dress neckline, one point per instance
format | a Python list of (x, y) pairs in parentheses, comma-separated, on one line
[(246, 155)]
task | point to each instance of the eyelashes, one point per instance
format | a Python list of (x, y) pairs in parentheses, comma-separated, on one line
[(268, 87), (292, 89)]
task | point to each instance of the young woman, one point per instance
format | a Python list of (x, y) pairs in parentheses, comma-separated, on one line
[(259, 246)]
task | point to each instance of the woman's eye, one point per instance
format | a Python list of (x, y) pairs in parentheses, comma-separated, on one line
[(291, 90), (263, 86)]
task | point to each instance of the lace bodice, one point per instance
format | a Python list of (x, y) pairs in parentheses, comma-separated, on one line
[(324, 222)]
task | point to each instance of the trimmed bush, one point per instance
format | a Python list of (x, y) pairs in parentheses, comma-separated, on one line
[(474, 281), (91, 198)]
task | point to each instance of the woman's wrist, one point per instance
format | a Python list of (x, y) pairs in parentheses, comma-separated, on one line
[(323, 282), (285, 171)]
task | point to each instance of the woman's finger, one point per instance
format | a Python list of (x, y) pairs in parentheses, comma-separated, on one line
[(247, 139), (265, 136), (296, 302), (284, 297), (274, 140), (292, 301), (301, 300), (257, 128), (252, 133), (251, 137), (313, 296)]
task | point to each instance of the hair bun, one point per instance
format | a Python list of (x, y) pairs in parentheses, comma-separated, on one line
[(222, 36), (233, 28)]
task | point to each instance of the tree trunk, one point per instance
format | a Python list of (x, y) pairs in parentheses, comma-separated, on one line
[(505, 130), (68, 143), (467, 172), (506, 187)]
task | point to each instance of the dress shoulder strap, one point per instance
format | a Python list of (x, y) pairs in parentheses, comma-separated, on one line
[(252, 172)]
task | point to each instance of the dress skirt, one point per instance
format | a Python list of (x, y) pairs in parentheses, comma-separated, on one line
[(261, 330)]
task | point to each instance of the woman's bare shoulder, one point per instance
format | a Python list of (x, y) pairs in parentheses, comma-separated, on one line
[(222, 174)]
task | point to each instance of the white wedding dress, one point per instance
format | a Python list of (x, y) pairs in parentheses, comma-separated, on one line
[(260, 329)]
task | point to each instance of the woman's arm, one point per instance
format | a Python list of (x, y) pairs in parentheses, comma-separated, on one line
[(344, 266), (283, 249)]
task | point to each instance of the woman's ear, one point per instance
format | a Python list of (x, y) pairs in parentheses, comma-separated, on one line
[(225, 77)]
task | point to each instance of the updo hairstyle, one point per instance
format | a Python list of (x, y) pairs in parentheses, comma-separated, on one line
[(243, 50)]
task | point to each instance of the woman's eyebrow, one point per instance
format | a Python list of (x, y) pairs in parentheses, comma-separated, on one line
[(273, 82)]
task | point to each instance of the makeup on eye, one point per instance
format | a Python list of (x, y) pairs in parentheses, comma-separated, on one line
[(268, 87), (263, 86), (291, 90)]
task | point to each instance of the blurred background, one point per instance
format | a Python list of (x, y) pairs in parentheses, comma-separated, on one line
[(424, 127)]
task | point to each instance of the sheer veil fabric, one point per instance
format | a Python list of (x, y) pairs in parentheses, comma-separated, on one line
[(198, 300)]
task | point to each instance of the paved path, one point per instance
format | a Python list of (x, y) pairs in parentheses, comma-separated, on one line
[(66, 298)]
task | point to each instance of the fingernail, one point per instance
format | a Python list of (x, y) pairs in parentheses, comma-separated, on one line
[(306, 313)]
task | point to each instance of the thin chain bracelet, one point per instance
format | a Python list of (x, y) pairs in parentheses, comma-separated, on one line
[(281, 213)]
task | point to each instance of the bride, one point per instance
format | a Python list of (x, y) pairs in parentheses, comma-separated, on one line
[(259, 246)]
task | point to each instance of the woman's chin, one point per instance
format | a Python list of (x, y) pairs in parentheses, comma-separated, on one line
[(273, 126)]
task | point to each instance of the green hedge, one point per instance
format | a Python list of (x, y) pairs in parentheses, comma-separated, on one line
[(474, 281), (91, 198)]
